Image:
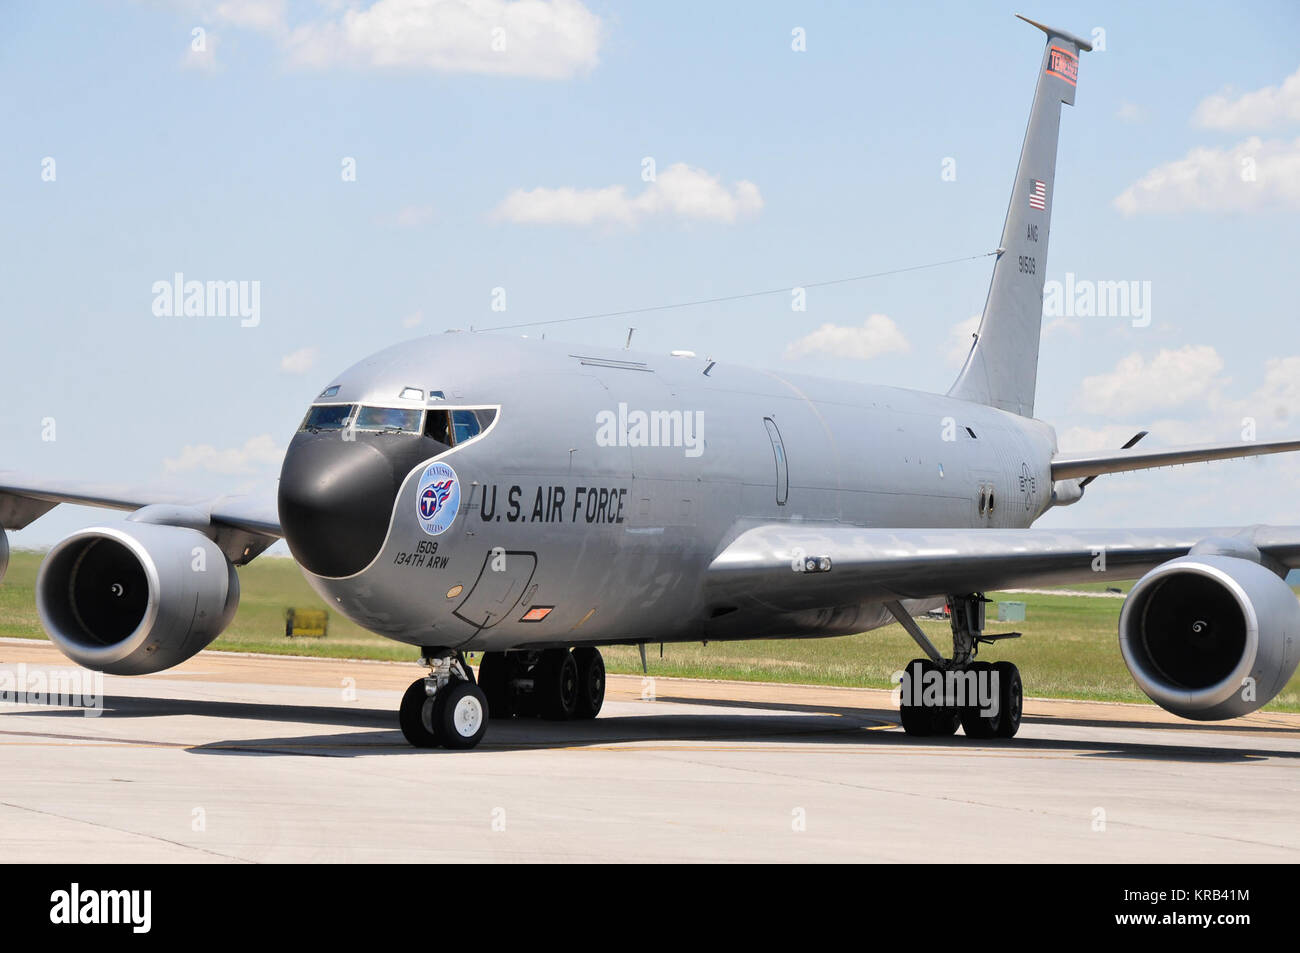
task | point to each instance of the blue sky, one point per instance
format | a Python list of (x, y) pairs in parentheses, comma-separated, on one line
[(795, 167)]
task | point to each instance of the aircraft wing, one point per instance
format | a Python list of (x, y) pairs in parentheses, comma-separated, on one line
[(24, 499), (880, 564), (1070, 466)]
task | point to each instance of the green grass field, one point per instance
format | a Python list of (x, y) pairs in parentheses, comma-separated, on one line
[(1069, 648)]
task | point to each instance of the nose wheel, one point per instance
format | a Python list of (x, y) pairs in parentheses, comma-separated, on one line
[(445, 709)]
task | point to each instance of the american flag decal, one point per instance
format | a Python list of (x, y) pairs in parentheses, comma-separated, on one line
[(1038, 194)]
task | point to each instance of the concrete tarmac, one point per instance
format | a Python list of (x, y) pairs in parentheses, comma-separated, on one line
[(234, 758)]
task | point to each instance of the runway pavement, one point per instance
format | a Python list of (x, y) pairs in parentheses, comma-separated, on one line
[(262, 759)]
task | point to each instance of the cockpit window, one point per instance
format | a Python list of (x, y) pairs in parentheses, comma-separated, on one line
[(396, 419), (466, 424), (454, 427), (327, 417)]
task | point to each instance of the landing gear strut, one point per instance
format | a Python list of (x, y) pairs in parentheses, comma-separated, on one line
[(444, 709), (938, 694)]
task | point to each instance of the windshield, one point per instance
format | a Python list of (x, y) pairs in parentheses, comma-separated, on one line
[(450, 427), (390, 418), (328, 417)]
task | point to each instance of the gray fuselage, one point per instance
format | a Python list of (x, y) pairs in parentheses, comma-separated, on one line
[(564, 518)]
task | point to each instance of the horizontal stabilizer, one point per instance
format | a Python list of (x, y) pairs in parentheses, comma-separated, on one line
[(1072, 466), (1052, 31)]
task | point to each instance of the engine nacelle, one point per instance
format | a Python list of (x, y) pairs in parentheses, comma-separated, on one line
[(4, 552), (136, 598), (1210, 636)]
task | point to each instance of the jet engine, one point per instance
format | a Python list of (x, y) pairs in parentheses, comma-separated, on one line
[(136, 598), (4, 552), (1213, 634)]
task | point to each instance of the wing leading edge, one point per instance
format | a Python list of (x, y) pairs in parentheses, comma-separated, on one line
[(868, 565), (244, 525)]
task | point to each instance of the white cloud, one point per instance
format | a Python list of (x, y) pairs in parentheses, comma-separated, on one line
[(413, 320), (414, 215), (258, 453), (1057, 325), (551, 39), (1131, 113), (1271, 407), (679, 192), (878, 335), (1252, 175), (1259, 109), (300, 361), (1280, 390), (1276, 399), (267, 16), (1170, 379), (960, 341)]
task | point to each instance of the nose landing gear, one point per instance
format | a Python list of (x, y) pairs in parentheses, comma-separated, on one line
[(445, 709)]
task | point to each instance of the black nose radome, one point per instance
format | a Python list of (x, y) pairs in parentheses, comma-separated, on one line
[(336, 496)]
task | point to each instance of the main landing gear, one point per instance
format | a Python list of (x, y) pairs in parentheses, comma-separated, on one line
[(448, 709), (939, 694), (555, 684)]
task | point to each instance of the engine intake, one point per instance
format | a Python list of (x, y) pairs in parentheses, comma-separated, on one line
[(1209, 637), (135, 599)]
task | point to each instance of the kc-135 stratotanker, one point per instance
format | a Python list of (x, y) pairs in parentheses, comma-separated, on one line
[(534, 501)]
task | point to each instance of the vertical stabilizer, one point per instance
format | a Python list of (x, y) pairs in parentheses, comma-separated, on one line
[(1002, 367)]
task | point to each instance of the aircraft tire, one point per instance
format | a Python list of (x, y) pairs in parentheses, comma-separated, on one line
[(411, 716), (918, 720), (945, 721), (973, 721), (591, 681), (1011, 699), (494, 679), (555, 685)]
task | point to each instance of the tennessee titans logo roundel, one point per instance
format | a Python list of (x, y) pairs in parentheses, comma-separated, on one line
[(438, 498)]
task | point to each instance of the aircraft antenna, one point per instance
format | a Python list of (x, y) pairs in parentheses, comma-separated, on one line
[(783, 290)]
